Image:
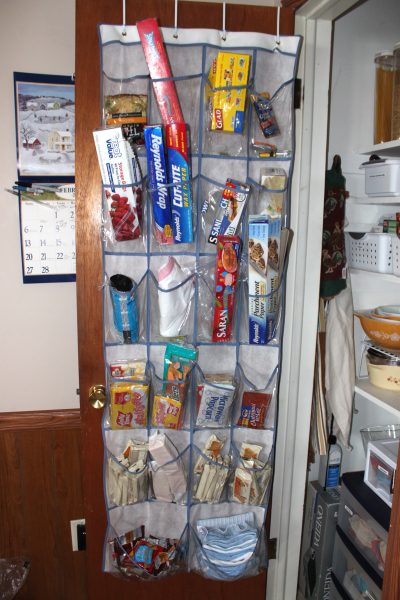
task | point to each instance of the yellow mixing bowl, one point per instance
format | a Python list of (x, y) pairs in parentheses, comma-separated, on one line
[(384, 332)]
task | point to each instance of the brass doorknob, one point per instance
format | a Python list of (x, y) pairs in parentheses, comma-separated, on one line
[(97, 396)]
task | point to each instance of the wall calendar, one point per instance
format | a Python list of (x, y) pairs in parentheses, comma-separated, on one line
[(47, 222)]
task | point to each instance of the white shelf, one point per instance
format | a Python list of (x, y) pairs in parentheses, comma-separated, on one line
[(374, 200), (386, 149), (373, 274), (390, 401)]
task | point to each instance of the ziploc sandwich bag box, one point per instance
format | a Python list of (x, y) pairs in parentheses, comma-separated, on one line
[(320, 518), (263, 276)]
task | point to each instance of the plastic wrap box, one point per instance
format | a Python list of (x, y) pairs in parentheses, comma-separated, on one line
[(321, 513)]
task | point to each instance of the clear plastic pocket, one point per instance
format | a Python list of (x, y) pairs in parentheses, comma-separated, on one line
[(125, 309), (126, 485), (228, 545), (169, 479), (217, 317), (270, 124), (255, 409), (170, 402), (214, 400), (172, 302), (124, 219), (252, 476), (211, 472), (222, 211), (128, 404), (174, 228), (260, 316), (146, 541)]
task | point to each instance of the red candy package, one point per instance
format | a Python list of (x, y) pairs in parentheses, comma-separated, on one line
[(226, 274), (254, 409), (124, 218)]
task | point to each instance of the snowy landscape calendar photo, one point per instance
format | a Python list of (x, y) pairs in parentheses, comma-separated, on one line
[(45, 126)]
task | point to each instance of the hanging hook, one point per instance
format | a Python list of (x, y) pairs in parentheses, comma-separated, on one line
[(278, 22), (176, 20), (124, 18), (223, 34)]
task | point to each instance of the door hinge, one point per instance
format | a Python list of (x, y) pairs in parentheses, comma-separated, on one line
[(297, 93), (271, 548)]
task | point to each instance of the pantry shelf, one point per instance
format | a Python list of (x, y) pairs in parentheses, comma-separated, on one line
[(390, 401), (391, 148)]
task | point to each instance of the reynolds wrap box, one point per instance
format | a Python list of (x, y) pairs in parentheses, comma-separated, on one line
[(178, 173), (157, 174), (263, 276), (320, 518), (157, 61)]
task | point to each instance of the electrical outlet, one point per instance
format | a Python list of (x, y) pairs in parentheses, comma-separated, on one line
[(76, 545)]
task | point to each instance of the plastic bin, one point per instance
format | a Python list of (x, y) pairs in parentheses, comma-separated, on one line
[(352, 571), (364, 519), (371, 252)]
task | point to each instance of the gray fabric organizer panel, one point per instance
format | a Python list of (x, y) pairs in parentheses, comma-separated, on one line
[(214, 158)]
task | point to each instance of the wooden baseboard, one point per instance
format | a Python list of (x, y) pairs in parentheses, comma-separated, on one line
[(69, 418)]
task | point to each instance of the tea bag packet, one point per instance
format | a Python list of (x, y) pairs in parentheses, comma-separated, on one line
[(211, 476), (128, 485), (252, 477), (167, 470)]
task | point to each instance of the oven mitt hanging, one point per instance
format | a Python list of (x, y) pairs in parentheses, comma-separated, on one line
[(333, 259)]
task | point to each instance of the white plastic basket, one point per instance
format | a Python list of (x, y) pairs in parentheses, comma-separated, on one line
[(371, 252), (396, 256)]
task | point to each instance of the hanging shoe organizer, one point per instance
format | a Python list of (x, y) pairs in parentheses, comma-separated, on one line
[(188, 465)]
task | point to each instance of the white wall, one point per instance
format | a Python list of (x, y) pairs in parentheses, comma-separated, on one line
[(38, 351)]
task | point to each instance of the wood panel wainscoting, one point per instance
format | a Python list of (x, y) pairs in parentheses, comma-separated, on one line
[(40, 493)]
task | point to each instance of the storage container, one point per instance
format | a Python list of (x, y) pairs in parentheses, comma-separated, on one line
[(396, 93), (370, 251), (382, 177), (386, 377), (383, 97), (380, 468), (352, 571), (364, 519)]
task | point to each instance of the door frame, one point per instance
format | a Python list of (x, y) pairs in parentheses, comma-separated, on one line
[(314, 23)]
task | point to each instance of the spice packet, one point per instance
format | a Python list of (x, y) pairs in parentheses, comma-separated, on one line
[(212, 475), (129, 111), (232, 202), (128, 369), (265, 114), (128, 405), (254, 409), (226, 274)]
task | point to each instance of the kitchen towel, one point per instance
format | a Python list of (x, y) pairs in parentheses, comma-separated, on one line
[(340, 363)]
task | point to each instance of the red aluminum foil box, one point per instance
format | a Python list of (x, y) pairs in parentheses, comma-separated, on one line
[(226, 275), (157, 61)]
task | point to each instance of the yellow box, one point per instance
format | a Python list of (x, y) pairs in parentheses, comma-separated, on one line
[(128, 405), (227, 106)]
